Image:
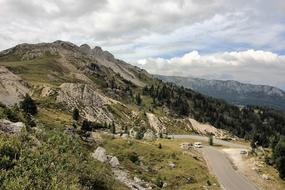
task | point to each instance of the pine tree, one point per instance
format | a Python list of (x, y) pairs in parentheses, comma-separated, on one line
[(211, 143), (28, 105), (75, 114), (86, 126), (279, 157), (138, 99), (113, 128)]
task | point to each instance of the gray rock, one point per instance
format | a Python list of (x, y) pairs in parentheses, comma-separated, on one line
[(133, 132), (149, 135), (12, 88), (172, 165), (125, 135), (265, 176), (114, 161), (137, 180), (100, 154), (12, 128)]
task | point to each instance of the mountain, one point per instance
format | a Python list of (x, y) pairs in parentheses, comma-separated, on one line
[(232, 91), (62, 76), (69, 114)]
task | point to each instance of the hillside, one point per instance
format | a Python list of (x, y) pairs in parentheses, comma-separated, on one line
[(88, 98), (232, 91)]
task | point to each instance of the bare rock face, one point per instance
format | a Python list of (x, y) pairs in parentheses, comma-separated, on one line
[(114, 162), (85, 48), (149, 135), (100, 154), (155, 123), (87, 98), (9, 127), (12, 88)]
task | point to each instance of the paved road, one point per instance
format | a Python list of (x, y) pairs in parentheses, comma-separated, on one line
[(204, 138), (221, 166), (229, 178)]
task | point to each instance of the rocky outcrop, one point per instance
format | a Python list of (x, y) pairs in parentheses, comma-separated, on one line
[(155, 123), (87, 98), (100, 154), (149, 135), (114, 162), (205, 129), (134, 184), (9, 127), (12, 88), (120, 174)]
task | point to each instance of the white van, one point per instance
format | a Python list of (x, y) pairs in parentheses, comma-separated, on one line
[(198, 145)]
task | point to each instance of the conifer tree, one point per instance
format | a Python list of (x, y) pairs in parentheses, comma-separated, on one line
[(28, 105)]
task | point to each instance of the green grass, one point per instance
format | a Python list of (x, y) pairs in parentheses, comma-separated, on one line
[(154, 163), (51, 160), (40, 70)]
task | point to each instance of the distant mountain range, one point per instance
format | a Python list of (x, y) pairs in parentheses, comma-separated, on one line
[(232, 91)]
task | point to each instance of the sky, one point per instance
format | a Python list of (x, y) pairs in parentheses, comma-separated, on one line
[(214, 39)]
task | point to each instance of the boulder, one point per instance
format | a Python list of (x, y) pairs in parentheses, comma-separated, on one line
[(172, 165), (133, 132), (137, 180), (114, 161), (149, 135), (265, 176), (125, 136), (12, 128), (100, 154)]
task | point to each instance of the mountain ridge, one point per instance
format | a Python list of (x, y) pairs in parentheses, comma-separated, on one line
[(62, 76), (234, 92)]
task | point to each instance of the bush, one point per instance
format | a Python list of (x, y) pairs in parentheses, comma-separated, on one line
[(279, 157), (28, 105), (159, 146), (60, 162), (158, 182), (86, 126), (8, 156), (211, 143), (140, 132), (75, 114), (134, 157)]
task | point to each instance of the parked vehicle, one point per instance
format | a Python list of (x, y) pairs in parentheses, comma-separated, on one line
[(198, 145)]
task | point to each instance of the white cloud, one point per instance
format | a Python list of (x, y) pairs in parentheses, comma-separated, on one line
[(139, 29), (258, 67)]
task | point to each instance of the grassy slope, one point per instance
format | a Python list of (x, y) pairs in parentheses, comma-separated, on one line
[(40, 70), (154, 162)]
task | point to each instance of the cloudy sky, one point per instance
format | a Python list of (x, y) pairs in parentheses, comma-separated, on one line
[(215, 39)]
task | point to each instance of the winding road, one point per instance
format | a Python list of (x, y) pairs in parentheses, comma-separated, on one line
[(220, 164)]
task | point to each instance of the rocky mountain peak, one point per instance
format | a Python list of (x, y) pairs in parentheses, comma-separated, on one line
[(98, 51), (85, 48)]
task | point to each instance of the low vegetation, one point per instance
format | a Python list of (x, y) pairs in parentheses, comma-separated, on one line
[(161, 163)]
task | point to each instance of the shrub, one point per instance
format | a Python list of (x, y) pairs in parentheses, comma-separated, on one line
[(279, 157), (211, 143), (134, 157), (8, 155), (159, 146), (86, 126), (158, 182), (75, 114), (28, 105)]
